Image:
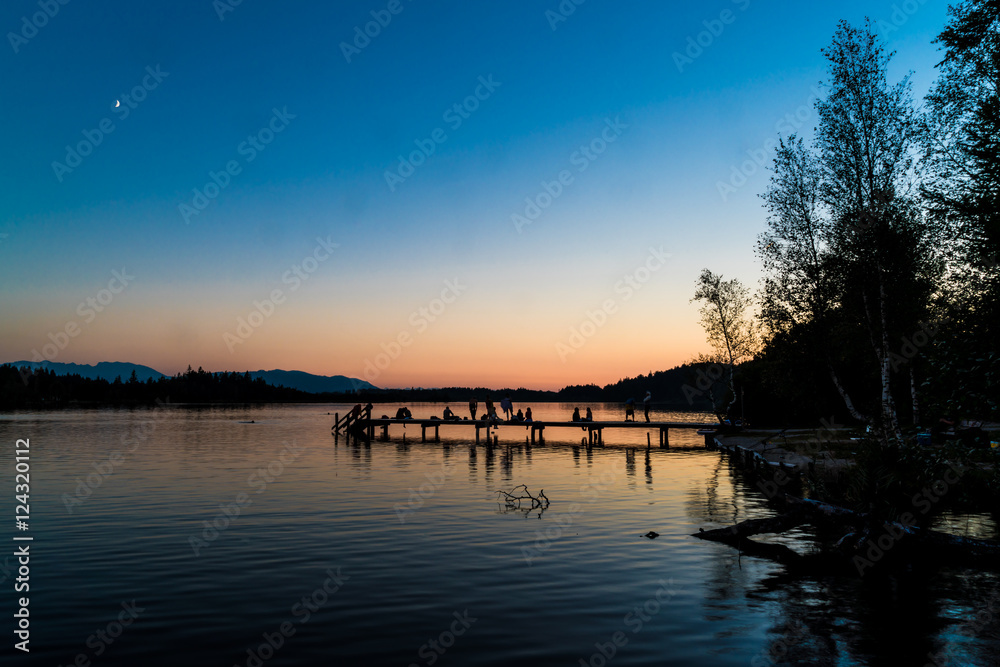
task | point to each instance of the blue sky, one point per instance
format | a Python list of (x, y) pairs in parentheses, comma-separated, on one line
[(681, 131)]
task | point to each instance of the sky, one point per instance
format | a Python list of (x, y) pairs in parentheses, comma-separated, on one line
[(410, 192)]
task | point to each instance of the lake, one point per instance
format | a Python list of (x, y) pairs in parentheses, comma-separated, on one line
[(176, 533)]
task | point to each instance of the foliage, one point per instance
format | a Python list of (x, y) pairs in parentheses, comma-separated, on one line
[(962, 154), (851, 263), (728, 327)]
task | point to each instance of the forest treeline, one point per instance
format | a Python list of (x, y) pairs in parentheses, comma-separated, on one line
[(23, 388)]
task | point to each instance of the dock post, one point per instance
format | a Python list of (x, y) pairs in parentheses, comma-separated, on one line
[(664, 437), (532, 435), (336, 422), (437, 438), (477, 433), (600, 436), (423, 433), (385, 432)]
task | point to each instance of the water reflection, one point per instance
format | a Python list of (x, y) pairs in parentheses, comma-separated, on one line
[(422, 539)]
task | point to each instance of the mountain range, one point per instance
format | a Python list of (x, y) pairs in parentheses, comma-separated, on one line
[(109, 370)]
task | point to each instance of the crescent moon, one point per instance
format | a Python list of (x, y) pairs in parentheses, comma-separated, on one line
[(117, 103)]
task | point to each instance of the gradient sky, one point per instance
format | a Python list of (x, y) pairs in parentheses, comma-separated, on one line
[(520, 292)]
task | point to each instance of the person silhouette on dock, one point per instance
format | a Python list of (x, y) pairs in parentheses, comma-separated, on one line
[(576, 415), (645, 404), (589, 417), (507, 406), (449, 415), (527, 415), (473, 406), (630, 409)]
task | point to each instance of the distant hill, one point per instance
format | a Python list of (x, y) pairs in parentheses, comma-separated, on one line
[(109, 370), (105, 370), (314, 384)]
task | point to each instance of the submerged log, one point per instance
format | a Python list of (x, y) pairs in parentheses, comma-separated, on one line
[(775, 524), (739, 534), (864, 543)]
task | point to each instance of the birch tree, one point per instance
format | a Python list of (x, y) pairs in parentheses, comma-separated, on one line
[(728, 326), (847, 243)]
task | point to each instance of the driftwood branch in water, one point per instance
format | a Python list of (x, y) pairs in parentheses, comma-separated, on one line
[(515, 496)]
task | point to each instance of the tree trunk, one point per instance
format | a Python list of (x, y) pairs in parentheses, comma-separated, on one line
[(847, 398), (888, 404)]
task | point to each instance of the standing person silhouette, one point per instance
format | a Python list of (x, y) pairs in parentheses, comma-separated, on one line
[(473, 406), (645, 404), (507, 406)]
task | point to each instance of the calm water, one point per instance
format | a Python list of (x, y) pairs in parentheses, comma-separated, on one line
[(420, 563)]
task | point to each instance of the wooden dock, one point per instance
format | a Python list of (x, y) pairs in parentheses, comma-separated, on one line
[(595, 430)]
